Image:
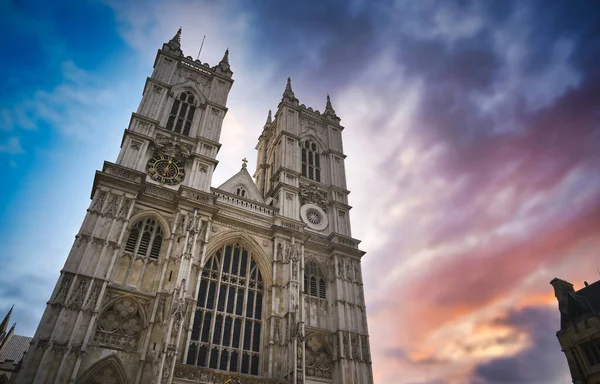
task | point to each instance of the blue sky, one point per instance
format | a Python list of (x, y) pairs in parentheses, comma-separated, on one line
[(472, 135)]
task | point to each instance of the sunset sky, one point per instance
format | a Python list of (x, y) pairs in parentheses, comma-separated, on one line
[(472, 130)]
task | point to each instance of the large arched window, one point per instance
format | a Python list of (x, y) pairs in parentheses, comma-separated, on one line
[(311, 162), (145, 239), (226, 333), (182, 113), (314, 281)]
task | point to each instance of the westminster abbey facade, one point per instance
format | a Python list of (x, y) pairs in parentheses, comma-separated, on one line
[(171, 280)]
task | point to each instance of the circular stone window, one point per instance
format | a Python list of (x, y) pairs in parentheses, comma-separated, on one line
[(313, 216)]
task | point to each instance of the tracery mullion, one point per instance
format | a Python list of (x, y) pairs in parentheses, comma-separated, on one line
[(243, 316), (214, 310)]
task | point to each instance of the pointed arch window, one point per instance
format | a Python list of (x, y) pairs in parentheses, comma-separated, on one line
[(145, 239), (226, 332), (182, 113), (314, 281), (311, 161), (241, 191)]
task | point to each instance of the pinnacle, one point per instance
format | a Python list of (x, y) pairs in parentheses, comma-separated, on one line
[(329, 111), (4, 323), (328, 105), (225, 58), (177, 36), (288, 94), (269, 118)]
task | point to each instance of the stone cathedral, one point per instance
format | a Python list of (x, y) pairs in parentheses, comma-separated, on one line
[(170, 280)]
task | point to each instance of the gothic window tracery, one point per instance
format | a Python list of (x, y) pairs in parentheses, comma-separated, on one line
[(182, 113), (226, 332), (120, 324), (311, 161), (319, 361), (145, 239), (314, 281)]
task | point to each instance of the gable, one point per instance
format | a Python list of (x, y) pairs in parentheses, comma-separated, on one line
[(242, 184)]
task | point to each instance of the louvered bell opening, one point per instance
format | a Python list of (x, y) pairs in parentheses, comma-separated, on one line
[(322, 289), (132, 239), (154, 252), (313, 286), (144, 244)]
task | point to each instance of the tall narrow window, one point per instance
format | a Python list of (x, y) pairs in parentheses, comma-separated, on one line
[(232, 314), (182, 114), (311, 161), (145, 239), (314, 281)]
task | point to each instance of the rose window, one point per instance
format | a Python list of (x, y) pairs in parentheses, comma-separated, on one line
[(314, 216)]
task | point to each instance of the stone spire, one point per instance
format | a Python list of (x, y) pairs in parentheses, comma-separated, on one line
[(174, 45), (269, 118), (5, 322), (223, 66), (288, 94), (329, 111), (225, 58)]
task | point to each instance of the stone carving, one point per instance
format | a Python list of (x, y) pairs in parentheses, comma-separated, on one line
[(63, 290), (136, 145), (319, 361), (276, 332), (160, 311), (160, 193), (354, 343), (157, 88), (194, 76), (122, 174), (93, 298), (111, 206), (363, 346), (78, 295), (172, 146), (120, 325), (312, 194), (99, 203), (346, 345), (279, 253), (124, 211)]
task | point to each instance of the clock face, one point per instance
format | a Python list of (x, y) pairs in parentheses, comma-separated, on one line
[(165, 169)]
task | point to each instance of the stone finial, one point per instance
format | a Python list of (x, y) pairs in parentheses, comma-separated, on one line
[(225, 58), (223, 66), (561, 289), (177, 36), (174, 45), (288, 94), (329, 111), (244, 162), (269, 118)]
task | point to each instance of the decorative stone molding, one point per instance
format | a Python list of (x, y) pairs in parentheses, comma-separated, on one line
[(159, 193), (195, 374), (311, 194), (319, 359), (121, 174), (172, 146)]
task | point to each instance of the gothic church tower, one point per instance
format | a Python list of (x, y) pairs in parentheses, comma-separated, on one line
[(171, 280)]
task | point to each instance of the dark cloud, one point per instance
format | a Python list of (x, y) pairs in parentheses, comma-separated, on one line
[(542, 362)]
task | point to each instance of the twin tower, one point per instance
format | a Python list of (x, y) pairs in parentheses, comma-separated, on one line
[(171, 280)]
